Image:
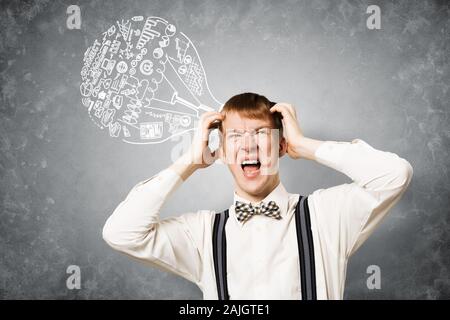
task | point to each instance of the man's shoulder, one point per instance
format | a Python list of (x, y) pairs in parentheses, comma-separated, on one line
[(324, 193), (201, 216)]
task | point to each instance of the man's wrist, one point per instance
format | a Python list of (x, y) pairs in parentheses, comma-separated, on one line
[(184, 166), (306, 148)]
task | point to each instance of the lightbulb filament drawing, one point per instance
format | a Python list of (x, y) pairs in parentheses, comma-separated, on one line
[(144, 81)]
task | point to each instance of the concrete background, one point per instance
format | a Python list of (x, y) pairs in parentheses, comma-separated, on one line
[(61, 177)]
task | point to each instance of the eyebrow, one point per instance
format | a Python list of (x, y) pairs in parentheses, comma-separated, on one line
[(256, 129)]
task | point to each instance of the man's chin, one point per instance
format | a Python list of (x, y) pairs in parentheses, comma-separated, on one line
[(263, 172), (253, 186)]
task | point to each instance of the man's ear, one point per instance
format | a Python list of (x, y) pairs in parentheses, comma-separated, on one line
[(282, 147)]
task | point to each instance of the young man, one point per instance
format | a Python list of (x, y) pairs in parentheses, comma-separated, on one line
[(261, 251)]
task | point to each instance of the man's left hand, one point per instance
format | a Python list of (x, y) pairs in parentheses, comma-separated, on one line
[(291, 128)]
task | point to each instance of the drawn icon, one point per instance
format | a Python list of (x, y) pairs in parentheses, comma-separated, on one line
[(182, 69), (158, 53), (108, 65), (151, 130), (185, 121), (126, 132), (122, 67), (117, 101), (115, 46), (164, 42), (146, 67), (86, 89), (144, 82), (102, 95)]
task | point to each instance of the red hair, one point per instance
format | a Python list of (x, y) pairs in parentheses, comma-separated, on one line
[(253, 106)]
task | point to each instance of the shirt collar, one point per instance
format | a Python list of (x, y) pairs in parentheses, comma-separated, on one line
[(279, 195)]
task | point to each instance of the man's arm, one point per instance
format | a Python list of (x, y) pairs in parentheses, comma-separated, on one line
[(350, 212), (298, 146), (135, 229), (173, 244), (347, 214)]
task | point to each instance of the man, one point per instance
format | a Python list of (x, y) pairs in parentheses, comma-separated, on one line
[(263, 256)]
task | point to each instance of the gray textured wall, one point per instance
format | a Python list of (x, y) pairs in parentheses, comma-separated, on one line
[(61, 176)]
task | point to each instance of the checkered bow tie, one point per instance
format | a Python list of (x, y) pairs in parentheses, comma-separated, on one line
[(245, 211)]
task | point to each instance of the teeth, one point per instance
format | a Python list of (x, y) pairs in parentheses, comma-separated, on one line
[(249, 162)]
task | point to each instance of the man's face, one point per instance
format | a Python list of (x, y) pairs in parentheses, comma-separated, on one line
[(251, 148)]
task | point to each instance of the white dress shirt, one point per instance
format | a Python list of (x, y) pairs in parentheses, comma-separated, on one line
[(262, 253)]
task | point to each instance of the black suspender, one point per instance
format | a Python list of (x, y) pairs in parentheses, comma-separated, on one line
[(220, 254), (305, 250)]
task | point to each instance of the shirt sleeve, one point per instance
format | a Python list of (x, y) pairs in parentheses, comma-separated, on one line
[(135, 229), (347, 214)]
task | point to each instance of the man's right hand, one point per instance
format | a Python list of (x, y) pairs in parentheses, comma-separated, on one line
[(199, 154)]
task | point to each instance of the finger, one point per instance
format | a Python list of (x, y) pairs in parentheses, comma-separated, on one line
[(207, 114), (207, 118), (216, 121), (208, 121), (207, 125), (290, 108), (201, 124), (281, 108)]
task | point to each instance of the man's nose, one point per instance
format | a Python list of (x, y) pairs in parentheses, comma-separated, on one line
[(250, 143)]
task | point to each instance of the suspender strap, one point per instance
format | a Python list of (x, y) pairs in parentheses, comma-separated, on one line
[(220, 254), (305, 250)]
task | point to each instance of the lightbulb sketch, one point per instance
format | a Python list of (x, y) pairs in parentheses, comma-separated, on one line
[(144, 82)]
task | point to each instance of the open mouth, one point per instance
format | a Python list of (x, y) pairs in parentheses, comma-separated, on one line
[(251, 167)]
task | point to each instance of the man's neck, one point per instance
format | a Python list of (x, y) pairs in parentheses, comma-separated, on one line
[(254, 198)]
